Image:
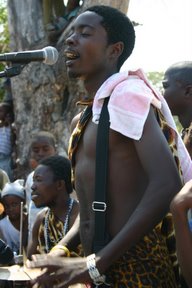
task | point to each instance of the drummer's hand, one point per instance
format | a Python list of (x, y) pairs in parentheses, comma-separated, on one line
[(60, 272), (61, 253), (57, 253)]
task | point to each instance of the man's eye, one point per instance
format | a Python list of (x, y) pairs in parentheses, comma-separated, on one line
[(165, 85), (46, 149), (85, 33)]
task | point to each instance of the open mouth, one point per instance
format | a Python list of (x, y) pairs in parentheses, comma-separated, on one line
[(71, 55), (34, 196)]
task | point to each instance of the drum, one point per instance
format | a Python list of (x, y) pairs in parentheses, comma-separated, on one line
[(18, 276)]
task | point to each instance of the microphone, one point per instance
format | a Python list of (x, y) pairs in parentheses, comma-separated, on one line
[(6, 254), (48, 55)]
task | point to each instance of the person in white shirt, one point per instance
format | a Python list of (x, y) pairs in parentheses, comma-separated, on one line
[(7, 139), (12, 195)]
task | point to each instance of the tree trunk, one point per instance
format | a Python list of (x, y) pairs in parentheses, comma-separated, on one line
[(43, 96), (120, 5)]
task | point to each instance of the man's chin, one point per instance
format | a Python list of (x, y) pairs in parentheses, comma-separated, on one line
[(39, 205), (73, 74)]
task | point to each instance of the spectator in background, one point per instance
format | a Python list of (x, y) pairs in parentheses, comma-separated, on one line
[(7, 136), (12, 195), (4, 178), (8, 98), (57, 16), (52, 10), (72, 9), (42, 145), (177, 84), (180, 206)]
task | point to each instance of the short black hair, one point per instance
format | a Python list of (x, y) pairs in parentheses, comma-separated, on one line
[(44, 134), (61, 168), (8, 110), (118, 27), (7, 106), (181, 71)]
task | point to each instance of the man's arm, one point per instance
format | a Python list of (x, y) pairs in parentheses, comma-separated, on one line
[(74, 122), (1, 234), (163, 183), (33, 242), (71, 240), (179, 208)]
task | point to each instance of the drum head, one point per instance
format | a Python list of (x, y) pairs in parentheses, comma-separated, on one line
[(18, 273)]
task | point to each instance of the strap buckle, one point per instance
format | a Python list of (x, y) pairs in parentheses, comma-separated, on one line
[(99, 206)]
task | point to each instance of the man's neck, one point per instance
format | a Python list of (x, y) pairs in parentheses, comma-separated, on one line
[(60, 207), (94, 83), (185, 120), (15, 223)]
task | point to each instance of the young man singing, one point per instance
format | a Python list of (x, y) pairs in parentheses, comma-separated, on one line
[(142, 175)]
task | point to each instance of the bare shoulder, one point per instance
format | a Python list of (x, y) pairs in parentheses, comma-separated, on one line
[(74, 212), (39, 218), (152, 146), (76, 207)]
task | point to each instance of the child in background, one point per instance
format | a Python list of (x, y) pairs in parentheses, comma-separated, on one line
[(42, 145), (12, 195), (4, 178), (52, 188), (52, 9), (7, 138), (57, 16)]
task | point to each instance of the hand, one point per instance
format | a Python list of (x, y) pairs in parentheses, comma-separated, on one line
[(182, 202), (59, 272), (57, 253)]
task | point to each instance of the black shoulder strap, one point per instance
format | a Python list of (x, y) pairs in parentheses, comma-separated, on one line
[(101, 176)]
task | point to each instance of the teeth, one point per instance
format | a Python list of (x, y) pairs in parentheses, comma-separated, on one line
[(71, 55)]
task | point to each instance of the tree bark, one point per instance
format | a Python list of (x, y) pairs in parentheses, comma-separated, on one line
[(43, 96)]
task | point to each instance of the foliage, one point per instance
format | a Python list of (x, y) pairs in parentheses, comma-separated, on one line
[(156, 78), (4, 32), (4, 38)]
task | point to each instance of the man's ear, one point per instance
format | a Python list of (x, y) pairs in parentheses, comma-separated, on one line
[(116, 49), (188, 91), (60, 184)]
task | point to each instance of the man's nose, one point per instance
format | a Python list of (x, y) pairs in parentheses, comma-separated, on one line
[(41, 153), (71, 39), (33, 186)]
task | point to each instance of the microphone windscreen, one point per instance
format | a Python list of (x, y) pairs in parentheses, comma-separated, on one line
[(51, 55)]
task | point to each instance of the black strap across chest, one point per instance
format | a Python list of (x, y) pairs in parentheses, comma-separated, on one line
[(101, 178)]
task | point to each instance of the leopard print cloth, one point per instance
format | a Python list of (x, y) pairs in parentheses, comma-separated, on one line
[(153, 261)]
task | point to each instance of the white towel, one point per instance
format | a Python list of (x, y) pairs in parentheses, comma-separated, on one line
[(131, 95)]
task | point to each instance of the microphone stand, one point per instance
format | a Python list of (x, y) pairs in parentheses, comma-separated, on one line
[(12, 71), (19, 258)]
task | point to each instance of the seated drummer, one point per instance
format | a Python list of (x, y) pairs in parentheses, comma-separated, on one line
[(52, 188)]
